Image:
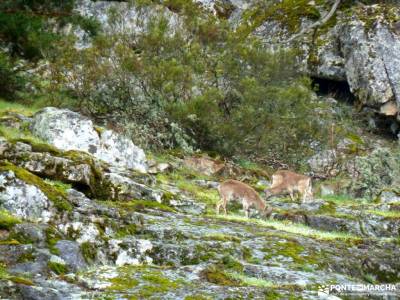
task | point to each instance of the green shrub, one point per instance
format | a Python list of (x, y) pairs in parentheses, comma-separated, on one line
[(11, 80), (375, 172), (194, 83)]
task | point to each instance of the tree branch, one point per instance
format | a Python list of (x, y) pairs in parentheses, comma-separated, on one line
[(320, 22)]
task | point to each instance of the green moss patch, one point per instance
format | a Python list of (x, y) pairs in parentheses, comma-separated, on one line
[(214, 274), (143, 281), (7, 220), (232, 264), (221, 237), (126, 230), (289, 13), (198, 297), (122, 283), (56, 195), (301, 259)]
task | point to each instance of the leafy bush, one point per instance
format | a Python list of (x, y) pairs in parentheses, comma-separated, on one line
[(29, 29), (10, 79)]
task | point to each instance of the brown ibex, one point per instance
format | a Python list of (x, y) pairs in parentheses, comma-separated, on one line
[(287, 182), (236, 190)]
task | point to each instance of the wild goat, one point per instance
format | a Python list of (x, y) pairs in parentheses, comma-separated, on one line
[(287, 182), (236, 190)]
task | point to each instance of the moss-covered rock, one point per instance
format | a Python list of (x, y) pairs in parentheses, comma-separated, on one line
[(55, 195)]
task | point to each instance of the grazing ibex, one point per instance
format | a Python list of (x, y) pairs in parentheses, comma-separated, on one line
[(287, 182), (236, 190)]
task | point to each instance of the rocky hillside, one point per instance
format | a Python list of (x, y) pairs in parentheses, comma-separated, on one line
[(121, 118), (357, 48), (86, 214)]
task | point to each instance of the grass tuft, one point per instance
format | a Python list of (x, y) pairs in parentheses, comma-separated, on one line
[(7, 221)]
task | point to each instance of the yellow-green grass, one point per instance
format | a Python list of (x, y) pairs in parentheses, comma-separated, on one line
[(250, 281), (291, 228), (387, 214), (7, 220), (4, 275), (8, 106)]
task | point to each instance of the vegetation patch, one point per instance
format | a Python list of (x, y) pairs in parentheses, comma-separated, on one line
[(386, 214), (291, 227), (52, 237), (221, 237), (302, 259), (89, 251), (59, 269), (342, 199), (15, 107), (183, 179), (125, 230), (216, 275), (250, 281), (10, 242), (7, 220), (4, 275), (24, 135), (198, 297), (122, 283), (289, 13), (142, 281), (26, 257), (232, 264)]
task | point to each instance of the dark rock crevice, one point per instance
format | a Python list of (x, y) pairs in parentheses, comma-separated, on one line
[(377, 122), (340, 90)]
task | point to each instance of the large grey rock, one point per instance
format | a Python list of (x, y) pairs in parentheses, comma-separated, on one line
[(22, 199), (70, 252), (124, 188), (51, 289), (30, 232), (372, 61), (68, 130)]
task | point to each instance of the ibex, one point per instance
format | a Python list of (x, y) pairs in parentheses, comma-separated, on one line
[(287, 182), (236, 190)]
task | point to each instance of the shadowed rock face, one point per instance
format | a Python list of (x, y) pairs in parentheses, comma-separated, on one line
[(68, 130)]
